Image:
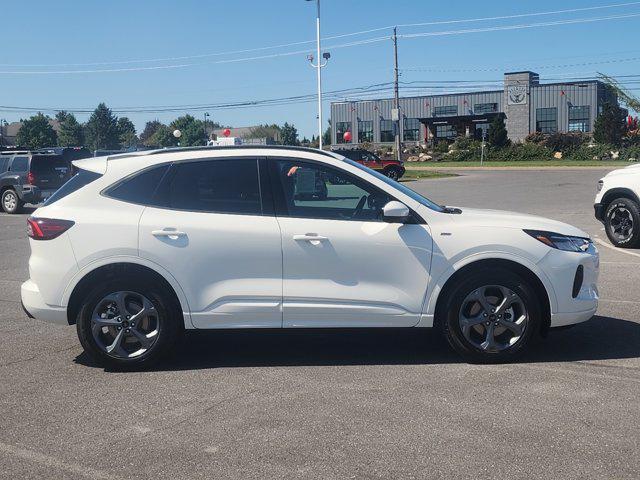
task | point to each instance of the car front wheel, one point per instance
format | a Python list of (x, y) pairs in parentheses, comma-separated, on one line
[(622, 223), (125, 324), (491, 316)]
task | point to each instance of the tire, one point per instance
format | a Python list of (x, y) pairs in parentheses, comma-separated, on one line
[(392, 173), (468, 337), (622, 223), (11, 203), (163, 317)]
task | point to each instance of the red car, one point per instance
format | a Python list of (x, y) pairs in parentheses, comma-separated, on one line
[(391, 168)]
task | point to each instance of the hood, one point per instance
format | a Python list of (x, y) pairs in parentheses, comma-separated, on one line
[(503, 219), (631, 169)]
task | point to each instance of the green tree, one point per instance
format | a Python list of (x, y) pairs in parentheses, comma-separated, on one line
[(192, 130), (326, 136), (149, 130), (497, 134), (609, 127), (127, 133), (102, 129), (289, 134), (36, 132), (70, 133), (162, 137), (265, 131)]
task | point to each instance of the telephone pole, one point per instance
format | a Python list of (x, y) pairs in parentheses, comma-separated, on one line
[(396, 101)]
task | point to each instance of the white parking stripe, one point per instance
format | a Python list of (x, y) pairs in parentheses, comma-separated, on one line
[(54, 462), (611, 247)]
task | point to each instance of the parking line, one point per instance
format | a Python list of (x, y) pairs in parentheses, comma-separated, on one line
[(616, 249), (53, 462)]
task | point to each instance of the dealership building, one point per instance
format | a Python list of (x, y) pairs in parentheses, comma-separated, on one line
[(526, 104)]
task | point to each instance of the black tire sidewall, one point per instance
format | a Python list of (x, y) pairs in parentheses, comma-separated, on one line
[(450, 323), (168, 314), (633, 240), (392, 171)]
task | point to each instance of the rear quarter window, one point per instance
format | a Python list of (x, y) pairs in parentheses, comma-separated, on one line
[(19, 164), (75, 183), (140, 187)]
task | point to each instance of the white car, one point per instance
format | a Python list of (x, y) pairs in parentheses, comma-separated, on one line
[(617, 206), (136, 248)]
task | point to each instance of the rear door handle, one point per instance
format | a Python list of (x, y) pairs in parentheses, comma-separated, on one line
[(310, 237), (167, 232)]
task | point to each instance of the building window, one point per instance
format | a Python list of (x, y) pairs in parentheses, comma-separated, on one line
[(365, 131), (445, 111), (446, 131), (579, 118), (341, 129), (386, 131), (547, 120), (482, 108), (411, 130)]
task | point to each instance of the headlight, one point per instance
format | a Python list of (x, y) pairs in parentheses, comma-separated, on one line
[(600, 185), (561, 242)]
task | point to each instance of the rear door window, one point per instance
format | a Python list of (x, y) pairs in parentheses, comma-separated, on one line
[(217, 186)]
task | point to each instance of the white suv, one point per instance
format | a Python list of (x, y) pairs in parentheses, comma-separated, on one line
[(617, 206), (136, 248)]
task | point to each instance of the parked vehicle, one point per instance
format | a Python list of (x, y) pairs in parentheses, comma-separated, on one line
[(391, 168), (27, 177), (68, 153), (151, 243), (617, 206)]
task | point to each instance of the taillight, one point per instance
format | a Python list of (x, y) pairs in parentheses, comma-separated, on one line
[(47, 228), (31, 178)]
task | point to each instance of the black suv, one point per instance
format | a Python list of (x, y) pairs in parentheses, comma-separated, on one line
[(27, 177)]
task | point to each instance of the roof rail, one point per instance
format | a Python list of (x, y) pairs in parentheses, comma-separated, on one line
[(220, 148)]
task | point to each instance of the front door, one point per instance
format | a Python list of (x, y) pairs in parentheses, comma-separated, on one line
[(342, 265), (214, 233)]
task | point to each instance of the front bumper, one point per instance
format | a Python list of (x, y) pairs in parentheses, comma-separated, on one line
[(35, 307), (575, 301), (599, 211)]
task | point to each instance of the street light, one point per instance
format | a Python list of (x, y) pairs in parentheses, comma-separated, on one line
[(319, 66)]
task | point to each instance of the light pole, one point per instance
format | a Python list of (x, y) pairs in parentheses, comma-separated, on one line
[(205, 127), (319, 66)]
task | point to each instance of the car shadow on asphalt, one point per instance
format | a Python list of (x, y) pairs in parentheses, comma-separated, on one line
[(601, 338)]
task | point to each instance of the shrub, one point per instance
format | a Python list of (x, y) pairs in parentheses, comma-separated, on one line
[(559, 142), (520, 152)]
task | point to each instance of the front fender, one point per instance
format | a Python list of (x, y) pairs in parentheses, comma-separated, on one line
[(437, 284)]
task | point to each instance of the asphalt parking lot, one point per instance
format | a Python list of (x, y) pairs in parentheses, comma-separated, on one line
[(369, 404)]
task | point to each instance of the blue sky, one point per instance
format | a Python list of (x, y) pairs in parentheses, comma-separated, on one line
[(39, 32)]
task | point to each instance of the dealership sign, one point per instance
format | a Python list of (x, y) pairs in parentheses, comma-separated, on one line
[(517, 94)]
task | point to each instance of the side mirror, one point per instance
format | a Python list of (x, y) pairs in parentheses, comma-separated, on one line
[(395, 212)]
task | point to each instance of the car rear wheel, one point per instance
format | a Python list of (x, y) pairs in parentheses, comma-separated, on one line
[(11, 203), (622, 223), (491, 316), (128, 324)]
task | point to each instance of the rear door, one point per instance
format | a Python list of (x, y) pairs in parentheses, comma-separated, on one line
[(49, 172), (212, 227)]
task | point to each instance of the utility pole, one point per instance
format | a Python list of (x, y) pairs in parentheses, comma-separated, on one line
[(396, 101)]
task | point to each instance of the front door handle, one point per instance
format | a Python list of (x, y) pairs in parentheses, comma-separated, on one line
[(310, 237), (168, 232)]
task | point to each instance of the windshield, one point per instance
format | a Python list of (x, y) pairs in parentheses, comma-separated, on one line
[(398, 186)]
